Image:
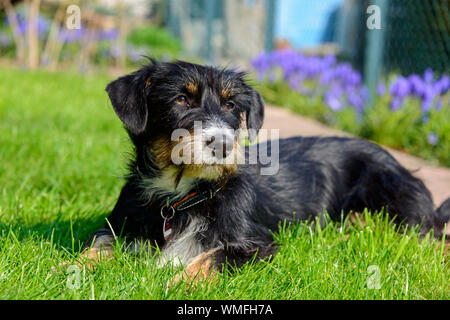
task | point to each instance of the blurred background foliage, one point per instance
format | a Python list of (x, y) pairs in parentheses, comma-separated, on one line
[(156, 40), (317, 58), (112, 34)]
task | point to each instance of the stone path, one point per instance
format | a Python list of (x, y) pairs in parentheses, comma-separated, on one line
[(436, 178)]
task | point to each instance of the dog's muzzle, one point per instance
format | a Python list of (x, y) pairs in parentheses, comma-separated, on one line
[(218, 142), (220, 146)]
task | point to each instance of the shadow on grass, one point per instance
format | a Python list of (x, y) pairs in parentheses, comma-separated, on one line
[(68, 235)]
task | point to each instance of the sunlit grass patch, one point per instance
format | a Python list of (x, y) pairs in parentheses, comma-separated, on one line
[(62, 154)]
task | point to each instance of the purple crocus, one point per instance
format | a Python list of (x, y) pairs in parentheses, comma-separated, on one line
[(338, 82), (327, 77), (442, 86), (333, 98), (433, 139), (355, 99), (400, 88), (396, 104), (417, 85), (381, 89), (428, 76), (428, 97), (71, 36), (295, 82), (272, 77), (426, 105), (43, 25), (333, 102), (108, 34)]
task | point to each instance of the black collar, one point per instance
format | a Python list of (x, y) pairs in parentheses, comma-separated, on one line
[(169, 210)]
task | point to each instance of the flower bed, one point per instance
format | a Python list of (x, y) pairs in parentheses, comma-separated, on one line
[(408, 113), (101, 46)]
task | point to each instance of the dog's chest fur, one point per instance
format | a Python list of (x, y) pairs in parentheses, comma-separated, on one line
[(184, 246), (164, 186)]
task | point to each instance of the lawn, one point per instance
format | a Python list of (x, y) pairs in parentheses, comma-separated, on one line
[(62, 155)]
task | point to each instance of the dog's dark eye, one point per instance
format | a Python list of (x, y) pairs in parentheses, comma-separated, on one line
[(229, 105), (182, 100)]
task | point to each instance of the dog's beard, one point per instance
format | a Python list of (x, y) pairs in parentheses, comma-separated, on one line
[(200, 162), (189, 158)]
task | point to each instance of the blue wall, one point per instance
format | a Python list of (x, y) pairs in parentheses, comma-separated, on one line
[(307, 23)]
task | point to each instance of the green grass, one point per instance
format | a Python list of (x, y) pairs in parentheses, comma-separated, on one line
[(62, 154), (158, 40)]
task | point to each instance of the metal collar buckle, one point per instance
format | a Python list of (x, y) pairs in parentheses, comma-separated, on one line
[(170, 212)]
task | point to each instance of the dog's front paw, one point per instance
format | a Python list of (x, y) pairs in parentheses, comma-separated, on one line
[(88, 259), (201, 269), (101, 249)]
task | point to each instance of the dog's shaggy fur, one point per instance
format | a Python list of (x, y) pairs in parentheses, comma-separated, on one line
[(317, 175)]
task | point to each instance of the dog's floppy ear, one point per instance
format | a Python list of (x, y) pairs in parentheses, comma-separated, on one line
[(129, 99), (255, 115)]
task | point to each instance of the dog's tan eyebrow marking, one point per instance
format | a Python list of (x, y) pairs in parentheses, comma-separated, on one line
[(148, 82), (192, 87), (228, 91), (225, 93)]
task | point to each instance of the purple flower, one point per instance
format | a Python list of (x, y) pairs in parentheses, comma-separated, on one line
[(43, 25), (365, 94), (333, 102), (425, 119), (396, 104), (353, 78), (442, 86), (433, 139), (355, 99), (108, 34), (272, 77), (417, 85), (344, 71), (400, 88), (426, 105), (326, 77), (429, 94), (294, 82), (381, 89), (261, 64), (333, 98), (428, 76), (329, 61), (339, 82), (71, 36)]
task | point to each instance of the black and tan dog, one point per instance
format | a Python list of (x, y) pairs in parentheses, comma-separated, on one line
[(204, 212)]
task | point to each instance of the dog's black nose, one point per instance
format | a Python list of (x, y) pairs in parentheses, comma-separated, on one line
[(221, 146)]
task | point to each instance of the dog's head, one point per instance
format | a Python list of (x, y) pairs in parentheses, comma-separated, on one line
[(188, 116)]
